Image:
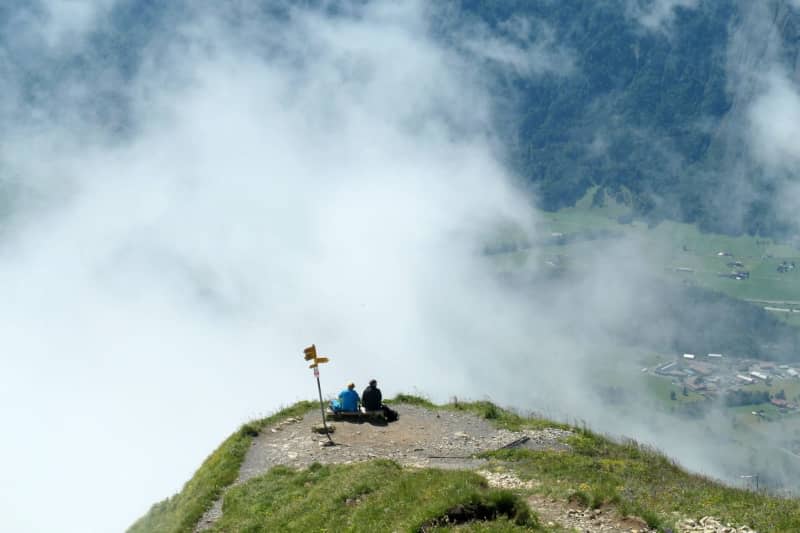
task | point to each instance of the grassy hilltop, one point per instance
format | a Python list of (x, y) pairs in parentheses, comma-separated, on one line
[(380, 495)]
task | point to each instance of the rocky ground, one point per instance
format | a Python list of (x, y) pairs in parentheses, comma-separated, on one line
[(709, 523), (420, 438), (428, 438)]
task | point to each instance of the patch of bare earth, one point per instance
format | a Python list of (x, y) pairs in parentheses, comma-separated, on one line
[(421, 438), (554, 512)]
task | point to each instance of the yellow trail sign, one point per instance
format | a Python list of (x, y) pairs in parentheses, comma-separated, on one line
[(310, 352)]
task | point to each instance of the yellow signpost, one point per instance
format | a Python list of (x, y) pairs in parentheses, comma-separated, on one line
[(310, 354)]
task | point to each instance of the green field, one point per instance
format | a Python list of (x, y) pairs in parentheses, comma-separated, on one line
[(670, 246), (661, 388)]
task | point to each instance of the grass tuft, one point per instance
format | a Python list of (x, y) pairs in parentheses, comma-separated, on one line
[(411, 399), (579, 497), (503, 418)]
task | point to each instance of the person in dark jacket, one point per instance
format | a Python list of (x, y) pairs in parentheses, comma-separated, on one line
[(372, 400)]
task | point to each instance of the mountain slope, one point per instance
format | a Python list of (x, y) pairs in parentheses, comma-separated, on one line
[(570, 469)]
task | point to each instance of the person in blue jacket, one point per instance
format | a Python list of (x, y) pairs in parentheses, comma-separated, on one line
[(348, 400)]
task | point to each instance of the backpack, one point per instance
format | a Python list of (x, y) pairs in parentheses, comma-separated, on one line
[(390, 414)]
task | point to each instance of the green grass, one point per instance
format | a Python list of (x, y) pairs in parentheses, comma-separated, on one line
[(182, 511), (673, 244), (640, 481), (661, 387), (502, 418), (375, 496), (411, 399)]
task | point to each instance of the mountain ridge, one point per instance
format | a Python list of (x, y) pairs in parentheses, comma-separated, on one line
[(594, 481)]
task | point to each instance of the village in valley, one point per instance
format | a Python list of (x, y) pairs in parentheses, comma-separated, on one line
[(738, 381)]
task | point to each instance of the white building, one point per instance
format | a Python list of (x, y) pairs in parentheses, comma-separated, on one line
[(688, 356), (715, 355), (745, 378), (759, 375), (666, 367)]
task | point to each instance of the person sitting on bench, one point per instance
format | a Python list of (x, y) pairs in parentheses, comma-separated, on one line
[(347, 401), (372, 400)]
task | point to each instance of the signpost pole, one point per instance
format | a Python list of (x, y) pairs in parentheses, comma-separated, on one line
[(322, 408), (310, 354)]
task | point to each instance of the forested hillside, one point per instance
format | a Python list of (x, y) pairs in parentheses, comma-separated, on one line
[(654, 106)]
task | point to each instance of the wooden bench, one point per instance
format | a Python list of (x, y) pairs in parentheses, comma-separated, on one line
[(357, 416)]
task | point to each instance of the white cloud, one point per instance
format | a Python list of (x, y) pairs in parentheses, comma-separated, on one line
[(775, 122), (766, 102), (657, 15), (774, 138), (528, 47), (59, 25)]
